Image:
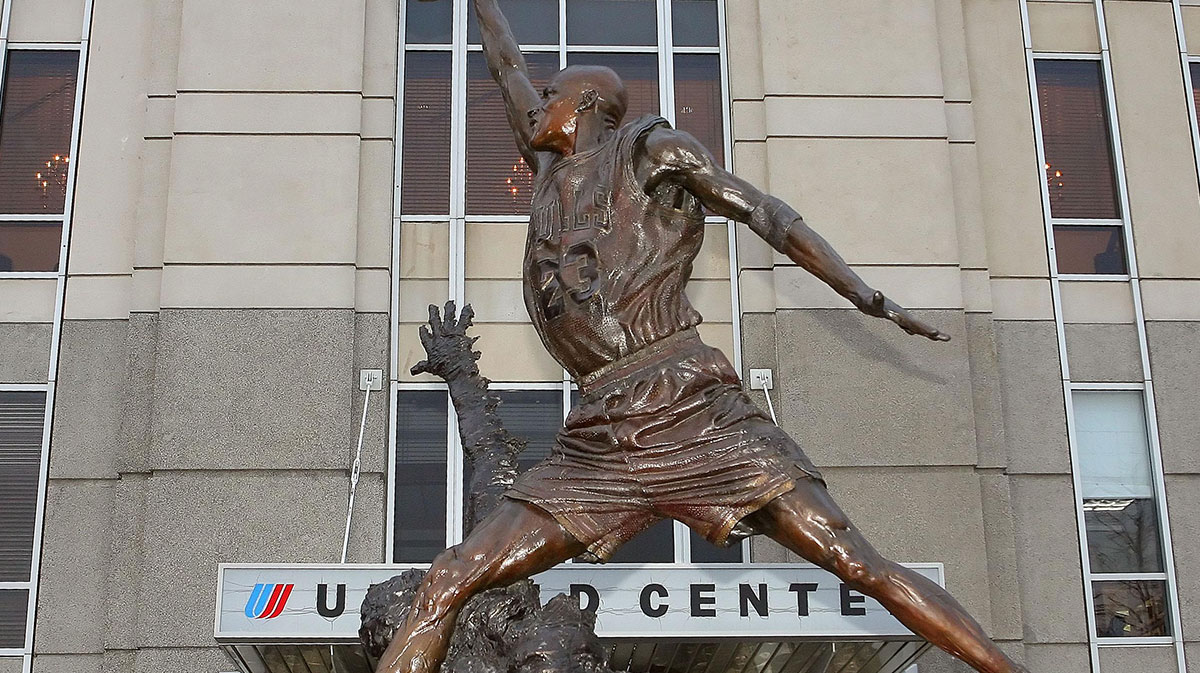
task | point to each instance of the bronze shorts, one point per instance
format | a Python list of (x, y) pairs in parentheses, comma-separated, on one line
[(669, 434)]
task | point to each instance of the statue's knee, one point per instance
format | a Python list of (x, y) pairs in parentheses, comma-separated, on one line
[(446, 583), (867, 575)]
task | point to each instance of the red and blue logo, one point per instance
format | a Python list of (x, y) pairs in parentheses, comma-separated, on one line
[(268, 600)]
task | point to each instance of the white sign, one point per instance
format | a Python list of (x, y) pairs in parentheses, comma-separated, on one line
[(303, 603)]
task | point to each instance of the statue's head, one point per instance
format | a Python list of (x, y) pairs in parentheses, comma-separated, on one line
[(569, 96)]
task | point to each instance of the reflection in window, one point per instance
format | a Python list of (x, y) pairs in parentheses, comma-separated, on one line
[(498, 181), (612, 22), (698, 100), (420, 475), (35, 130), (29, 246), (1089, 249), (1131, 609), (425, 186), (1079, 165), (638, 71)]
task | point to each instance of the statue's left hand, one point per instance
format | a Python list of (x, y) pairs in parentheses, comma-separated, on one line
[(448, 349), (882, 307)]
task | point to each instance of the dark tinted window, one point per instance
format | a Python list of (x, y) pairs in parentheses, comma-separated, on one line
[(421, 449), (29, 246), (638, 71), (1079, 164), (429, 21), (1131, 609), (1088, 249), (698, 100), (13, 604), (532, 21), (22, 416), (626, 22), (35, 130), (425, 180), (694, 23)]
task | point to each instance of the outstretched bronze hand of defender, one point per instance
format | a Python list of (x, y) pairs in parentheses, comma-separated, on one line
[(616, 221)]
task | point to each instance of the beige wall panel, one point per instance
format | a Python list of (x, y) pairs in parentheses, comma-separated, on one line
[(719, 335), (46, 21), (956, 80), (1064, 26), (889, 48), (1171, 299), (910, 286), (263, 199), (1157, 659), (713, 260), (1096, 302), (497, 300), (919, 516), (379, 46), (743, 33), (374, 238), (271, 45), (495, 249), (1156, 137), (1173, 357), (712, 299), (756, 290), (1191, 28), (372, 291), (250, 286), (27, 300), (410, 352), (883, 117), (1048, 559), (749, 120), (514, 352), (1035, 422), (425, 250), (977, 291), (968, 205), (98, 297), (108, 182), (750, 163), (146, 290), (150, 226), (164, 45), (876, 201), (1022, 299), (1103, 353), (378, 119), (856, 390), (1008, 175), (417, 295), (281, 113)]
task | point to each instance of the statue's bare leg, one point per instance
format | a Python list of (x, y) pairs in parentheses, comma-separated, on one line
[(810, 523), (515, 541)]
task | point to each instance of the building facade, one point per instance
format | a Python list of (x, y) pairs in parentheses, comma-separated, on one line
[(215, 216)]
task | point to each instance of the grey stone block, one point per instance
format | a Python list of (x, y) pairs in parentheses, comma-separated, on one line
[(73, 584), (1048, 563), (11, 664), (1105, 352), (855, 390), (89, 399), (25, 357), (1060, 658), (1000, 543), (1157, 659), (197, 519), (183, 660), (758, 350), (68, 663), (254, 389), (1191, 652), (138, 413), (1183, 502), (1035, 422), (986, 390), (125, 571), (922, 515), (937, 661), (1174, 349), (371, 352)]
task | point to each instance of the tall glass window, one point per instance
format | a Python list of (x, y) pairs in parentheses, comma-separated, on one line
[(37, 112), (1124, 546), (22, 415), (463, 194), (1080, 171)]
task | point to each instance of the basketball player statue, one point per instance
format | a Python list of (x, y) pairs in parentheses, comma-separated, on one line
[(663, 427)]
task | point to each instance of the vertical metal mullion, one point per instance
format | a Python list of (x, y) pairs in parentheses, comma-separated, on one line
[(1185, 62), (1060, 334), (56, 330), (562, 34), (735, 285), (457, 281), (1135, 287)]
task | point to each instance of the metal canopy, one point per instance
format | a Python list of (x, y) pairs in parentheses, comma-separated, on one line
[(643, 656)]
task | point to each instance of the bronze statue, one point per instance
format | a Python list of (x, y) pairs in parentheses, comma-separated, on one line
[(663, 427)]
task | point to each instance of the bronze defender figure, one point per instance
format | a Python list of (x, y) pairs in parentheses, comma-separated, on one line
[(663, 427)]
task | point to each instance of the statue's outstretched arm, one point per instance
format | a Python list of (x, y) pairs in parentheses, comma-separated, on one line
[(507, 65), (675, 155)]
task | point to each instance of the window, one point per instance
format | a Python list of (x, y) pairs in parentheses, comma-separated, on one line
[(1120, 512), (463, 194), (36, 123), (22, 415), (1081, 176)]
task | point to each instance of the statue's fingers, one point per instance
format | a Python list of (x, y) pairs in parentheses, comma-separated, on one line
[(421, 367), (435, 320), (426, 337), (467, 317), (451, 313)]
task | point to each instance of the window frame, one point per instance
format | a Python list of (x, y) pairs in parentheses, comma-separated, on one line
[(458, 219)]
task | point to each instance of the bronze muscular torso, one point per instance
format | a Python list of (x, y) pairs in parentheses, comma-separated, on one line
[(606, 263)]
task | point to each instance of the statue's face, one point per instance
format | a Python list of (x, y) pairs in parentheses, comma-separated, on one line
[(555, 121)]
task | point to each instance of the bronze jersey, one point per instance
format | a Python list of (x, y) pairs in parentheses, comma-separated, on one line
[(605, 262)]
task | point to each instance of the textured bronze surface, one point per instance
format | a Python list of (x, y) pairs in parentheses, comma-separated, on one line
[(663, 430)]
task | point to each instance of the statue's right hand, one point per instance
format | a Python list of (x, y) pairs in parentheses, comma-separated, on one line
[(448, 349)]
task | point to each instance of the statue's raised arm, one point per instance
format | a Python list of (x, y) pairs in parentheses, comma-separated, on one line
[(508, 68)]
